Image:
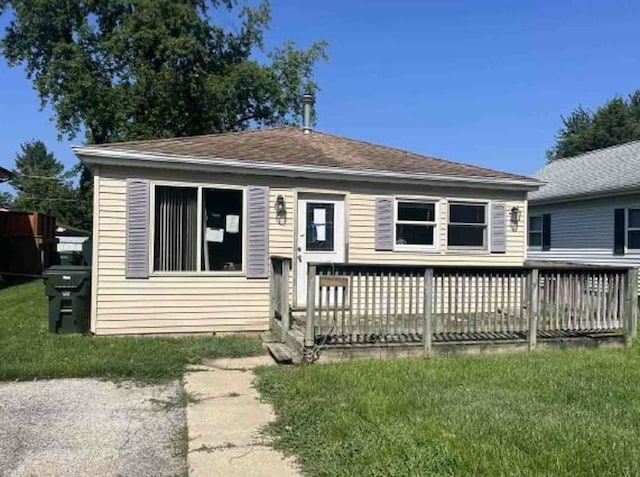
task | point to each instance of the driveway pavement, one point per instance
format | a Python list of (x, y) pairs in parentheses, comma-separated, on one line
[(86, 427)]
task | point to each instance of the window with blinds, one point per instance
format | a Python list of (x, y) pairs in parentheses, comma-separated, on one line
[(198, 229), (176, 229)]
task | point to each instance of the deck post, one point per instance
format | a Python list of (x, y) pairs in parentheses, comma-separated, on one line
[(631, 327), (309, 335), (427, 333), (285, 311), (272, 297), (534, 286)]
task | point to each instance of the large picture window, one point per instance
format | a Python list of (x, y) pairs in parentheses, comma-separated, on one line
[(197, 229), (415, 224), (467, 226)]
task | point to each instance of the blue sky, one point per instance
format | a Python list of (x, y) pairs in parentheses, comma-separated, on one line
[(482, 82)]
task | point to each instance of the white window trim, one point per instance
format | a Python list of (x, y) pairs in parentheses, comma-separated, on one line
[(628, 229), (486, 224), (200, 273), (529, 230), (414, 247)]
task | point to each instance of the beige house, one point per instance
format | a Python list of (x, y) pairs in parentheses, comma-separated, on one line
[(184, 228)]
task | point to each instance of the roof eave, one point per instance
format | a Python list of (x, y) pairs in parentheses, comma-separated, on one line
[(101, 156), (585, 196)]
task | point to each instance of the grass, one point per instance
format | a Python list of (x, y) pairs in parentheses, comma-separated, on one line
[(574, 412), (29, 351)]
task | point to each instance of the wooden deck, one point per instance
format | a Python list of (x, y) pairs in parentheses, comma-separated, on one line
[(367, 308), (332, 339)]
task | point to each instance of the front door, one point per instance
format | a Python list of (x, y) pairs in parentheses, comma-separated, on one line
[(321, 236)]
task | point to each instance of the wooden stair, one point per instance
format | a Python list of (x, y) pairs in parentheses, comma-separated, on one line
[(280, 353)]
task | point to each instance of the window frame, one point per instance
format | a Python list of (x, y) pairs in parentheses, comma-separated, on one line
[(487, 225), (529, 231), (628, 229), (199, 186), (435, 224)]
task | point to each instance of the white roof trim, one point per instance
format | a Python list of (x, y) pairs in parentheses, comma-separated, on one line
[(91, 155)]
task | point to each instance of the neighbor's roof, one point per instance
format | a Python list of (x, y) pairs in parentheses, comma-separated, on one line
[(5, 174), (604, 171), (288, 147)]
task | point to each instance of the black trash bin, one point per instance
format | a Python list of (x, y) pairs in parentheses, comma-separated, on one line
[(69, 290)]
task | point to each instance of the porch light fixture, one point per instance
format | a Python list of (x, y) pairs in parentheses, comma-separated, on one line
[(515, 215), (281, 209)]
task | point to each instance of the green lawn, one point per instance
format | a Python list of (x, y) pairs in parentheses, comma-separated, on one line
[(29, 351), (549, 413)]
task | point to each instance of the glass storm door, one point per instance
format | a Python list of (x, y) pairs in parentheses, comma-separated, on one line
[(321, 236)]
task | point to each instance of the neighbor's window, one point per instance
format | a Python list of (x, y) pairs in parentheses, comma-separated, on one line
[(535, 231), (177, 240), (467, 225), (633, 228), (415, 223)]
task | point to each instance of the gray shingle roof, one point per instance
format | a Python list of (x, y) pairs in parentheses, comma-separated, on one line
[(290, 146), (609, 170)]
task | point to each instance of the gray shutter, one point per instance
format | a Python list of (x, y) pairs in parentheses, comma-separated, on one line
[(498, 228), (258, 232), (384, 224), (137, 248)]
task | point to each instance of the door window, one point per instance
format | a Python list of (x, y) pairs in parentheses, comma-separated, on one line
[(320, 226)]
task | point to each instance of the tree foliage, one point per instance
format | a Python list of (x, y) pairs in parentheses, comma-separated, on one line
[(41, 182), (6, 200), (616, 122), (139, 69)]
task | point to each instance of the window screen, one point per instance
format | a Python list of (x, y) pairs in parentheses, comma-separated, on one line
[(467, 225), (415, 223)]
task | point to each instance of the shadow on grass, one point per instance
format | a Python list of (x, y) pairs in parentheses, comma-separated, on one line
[(9, 281)]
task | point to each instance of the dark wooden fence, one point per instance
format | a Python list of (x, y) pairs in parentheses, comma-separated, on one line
[(349, 304), (27, 242)]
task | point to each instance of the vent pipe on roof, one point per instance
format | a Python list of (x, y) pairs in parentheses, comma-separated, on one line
[(307, 102)]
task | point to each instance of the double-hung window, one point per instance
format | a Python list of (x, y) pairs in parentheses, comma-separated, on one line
[(467, 227), (633, 228), (415, 224), (197, 229), (535, 231)]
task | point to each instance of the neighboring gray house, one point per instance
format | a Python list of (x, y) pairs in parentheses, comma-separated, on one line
[(588, 211)]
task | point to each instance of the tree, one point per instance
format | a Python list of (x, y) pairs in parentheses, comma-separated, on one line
[(156, 68), (122, 70), (41, 182), (616, 122), (6, 200)]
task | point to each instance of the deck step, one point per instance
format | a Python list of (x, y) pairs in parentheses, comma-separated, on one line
[(280, 352)]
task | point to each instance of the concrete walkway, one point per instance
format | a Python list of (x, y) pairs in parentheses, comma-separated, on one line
[(226, 420)]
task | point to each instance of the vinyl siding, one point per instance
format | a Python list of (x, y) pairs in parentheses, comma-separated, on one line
[(174, 303), (582, 231), (192, 302)]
